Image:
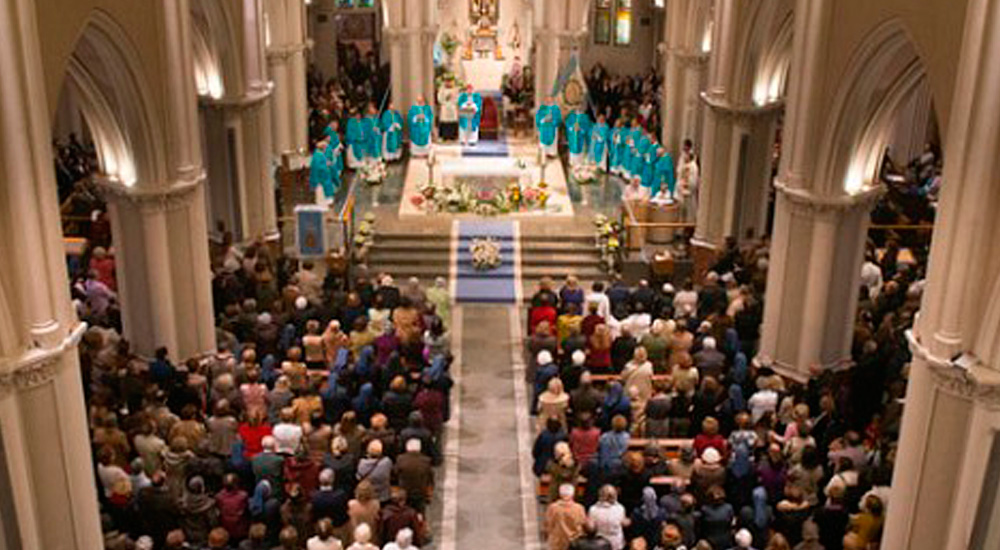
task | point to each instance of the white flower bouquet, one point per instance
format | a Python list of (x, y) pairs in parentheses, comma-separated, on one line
[(585, 174), (485, 253), (373, 173)]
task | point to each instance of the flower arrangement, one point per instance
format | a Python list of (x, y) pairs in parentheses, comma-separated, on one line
[(585, 174), (460, 198), (373, 173), (485, 253)]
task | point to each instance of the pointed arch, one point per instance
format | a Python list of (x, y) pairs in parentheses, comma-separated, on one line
[(105, 77), (885, 71)]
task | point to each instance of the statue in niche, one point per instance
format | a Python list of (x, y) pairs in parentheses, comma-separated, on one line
[(484, 12)]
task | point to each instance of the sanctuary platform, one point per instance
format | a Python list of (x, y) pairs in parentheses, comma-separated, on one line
[(490, 179)]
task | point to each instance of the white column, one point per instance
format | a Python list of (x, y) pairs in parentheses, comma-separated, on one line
[(396, 64), (818, 238), (684, 66), (161, 236), (43, 424), (950, 416), (287, 63), (548, 28)]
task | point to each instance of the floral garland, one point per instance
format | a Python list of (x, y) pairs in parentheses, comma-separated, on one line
[(459, 198), (585, 174), (485, 253), (373, 172)]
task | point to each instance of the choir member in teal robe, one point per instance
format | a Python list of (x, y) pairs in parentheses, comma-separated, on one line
[(577, 125), (600, 137), (420, 119), (355, 142), (665, 177), (619, 148), (470, 111), (634, 153), (373, 134), (648, 163), (320, 179), (548, 117), (334, 152), (392, 133)]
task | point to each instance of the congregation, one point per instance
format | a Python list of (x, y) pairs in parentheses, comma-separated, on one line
[(295, 434), (656, 431)]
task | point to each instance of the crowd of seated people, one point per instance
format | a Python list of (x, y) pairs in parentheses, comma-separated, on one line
[(655, 430), (316, 424), (613, 95)]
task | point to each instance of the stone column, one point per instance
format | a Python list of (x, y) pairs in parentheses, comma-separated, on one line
[(396, 67), (684, 67), (161, 237), (819, 233), (45, 469), (548, 27), (950, 420), (287, 65), (737, 171), (817, 248)]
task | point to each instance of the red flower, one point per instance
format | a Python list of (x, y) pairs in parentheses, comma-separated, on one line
[(417, 200)]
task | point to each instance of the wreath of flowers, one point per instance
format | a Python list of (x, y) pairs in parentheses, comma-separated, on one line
[(485, 253)]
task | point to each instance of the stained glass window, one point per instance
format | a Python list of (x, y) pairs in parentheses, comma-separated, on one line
[(602, 27), (623, 23)]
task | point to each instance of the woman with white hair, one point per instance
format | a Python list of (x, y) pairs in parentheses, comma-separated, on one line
[(404, 541), (609, 518), (362, 538)]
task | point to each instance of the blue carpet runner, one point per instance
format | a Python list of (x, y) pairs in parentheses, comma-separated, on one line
[(497, 286)]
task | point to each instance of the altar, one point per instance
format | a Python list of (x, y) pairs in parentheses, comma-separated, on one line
[(484, 73), (512, 185)]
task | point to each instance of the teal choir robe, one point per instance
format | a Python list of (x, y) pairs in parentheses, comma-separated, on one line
[(619, 148), (649, 165), (470, 124), (335, 158), (392, 127), (319, 173), (373, 137), (421, 120), (634, 153), (356, 138), (547, 121), (576, 129), (665, 174), (599, 137)]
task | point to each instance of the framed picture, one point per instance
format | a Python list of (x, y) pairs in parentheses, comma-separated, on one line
[(310, 231), (345, 3)]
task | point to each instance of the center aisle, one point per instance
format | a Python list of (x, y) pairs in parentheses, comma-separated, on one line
[(494, 499)]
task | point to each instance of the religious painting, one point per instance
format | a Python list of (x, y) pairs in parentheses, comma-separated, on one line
[(345, 3), (484, 12), (366, 3), (310, 235)]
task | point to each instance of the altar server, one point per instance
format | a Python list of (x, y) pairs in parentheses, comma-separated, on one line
[(577, 127), (320, 178), (665, 182), (548, 117), (599, 141), (619, 148), (447, 97), (355, 141), (373, 135), (470, 108), (391, 125), (420, 119)]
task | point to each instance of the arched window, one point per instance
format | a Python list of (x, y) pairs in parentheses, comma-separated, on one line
[(613, 22)]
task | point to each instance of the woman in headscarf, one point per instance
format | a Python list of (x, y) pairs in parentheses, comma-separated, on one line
[(553, 403), (647, 518), (615, 403), (365, 404), (741, 478), (198, 511), (364, 367)]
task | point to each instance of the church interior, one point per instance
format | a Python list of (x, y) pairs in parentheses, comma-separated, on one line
[(494, 274)]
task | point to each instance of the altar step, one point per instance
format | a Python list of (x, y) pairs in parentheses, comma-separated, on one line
[(427, 256)]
